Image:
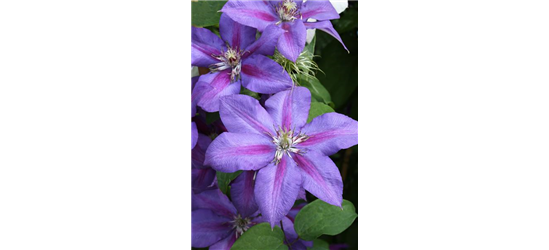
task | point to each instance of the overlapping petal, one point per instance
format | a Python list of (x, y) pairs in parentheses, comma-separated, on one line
[(244, 114), (330, 132), (208, 228), (266, 43), (194, 135), (199, 151), (204, 43), (263, 75), (231, 152), (279, 188), (221, 85), (242, 193), (214, 200), (319, 10), (290, 108), (257, 14), (224, 244), (320, 176), (292, 42), (197, 92), (327, 27), (236, 34), (202, 179)]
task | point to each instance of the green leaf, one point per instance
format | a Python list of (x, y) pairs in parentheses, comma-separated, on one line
[(261, 236), (318, 218), (206, 13), (318, 92), (212, 117), (317, 109), (311, 46), (224, 179), (319, 244), (340, 67), (245, 91)]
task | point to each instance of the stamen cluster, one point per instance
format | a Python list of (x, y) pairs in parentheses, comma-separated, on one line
[(285, 141), (287, 11), (229, 59), (240, 224)]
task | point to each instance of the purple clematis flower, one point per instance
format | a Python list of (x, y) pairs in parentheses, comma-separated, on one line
[(293, 16), (203, 177), (236, 59), (288, 153), (216, 222)]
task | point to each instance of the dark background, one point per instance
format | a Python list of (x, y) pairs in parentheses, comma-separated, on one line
[(454, 125)]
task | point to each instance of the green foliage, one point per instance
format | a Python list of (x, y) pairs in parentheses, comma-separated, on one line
[(212, 117), (224, 179), (245, 91), (319, 244), (261, 236), (317, 109), (318, 218), (206, 13), (340, 68), (318, 91), (304, 64)]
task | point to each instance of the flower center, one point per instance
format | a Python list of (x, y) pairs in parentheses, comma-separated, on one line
[(285, 141), (229, 59), (240, 224), (287, 11)]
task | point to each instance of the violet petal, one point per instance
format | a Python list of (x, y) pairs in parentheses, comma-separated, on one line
[(230, 152), (278, 190), (290, 108), (330, 132), (292, 42), (321, 176), (263, 75), (208, 228), (257, 14), (236, 34)]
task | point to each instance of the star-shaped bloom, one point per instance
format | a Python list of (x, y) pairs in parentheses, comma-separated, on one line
[(287, 152), (293, 16), (236, 59), (218, 222)]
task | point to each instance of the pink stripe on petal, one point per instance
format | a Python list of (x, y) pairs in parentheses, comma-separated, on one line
[(290, 108), (278, 190), (244, 114), (320, 176), (230, 152)]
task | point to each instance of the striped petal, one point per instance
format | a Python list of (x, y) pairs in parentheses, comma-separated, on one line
[(320, 176), (236, 34), (319, 10), (208, 228), (278, 190), (263, 75), (266, 43), (244, 114), (230, 152), (221, 85), (204, 44), (329, 133), (257, 14), (224, 244), (290, 108), (213, 200), (199, 151), (292, 42)]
